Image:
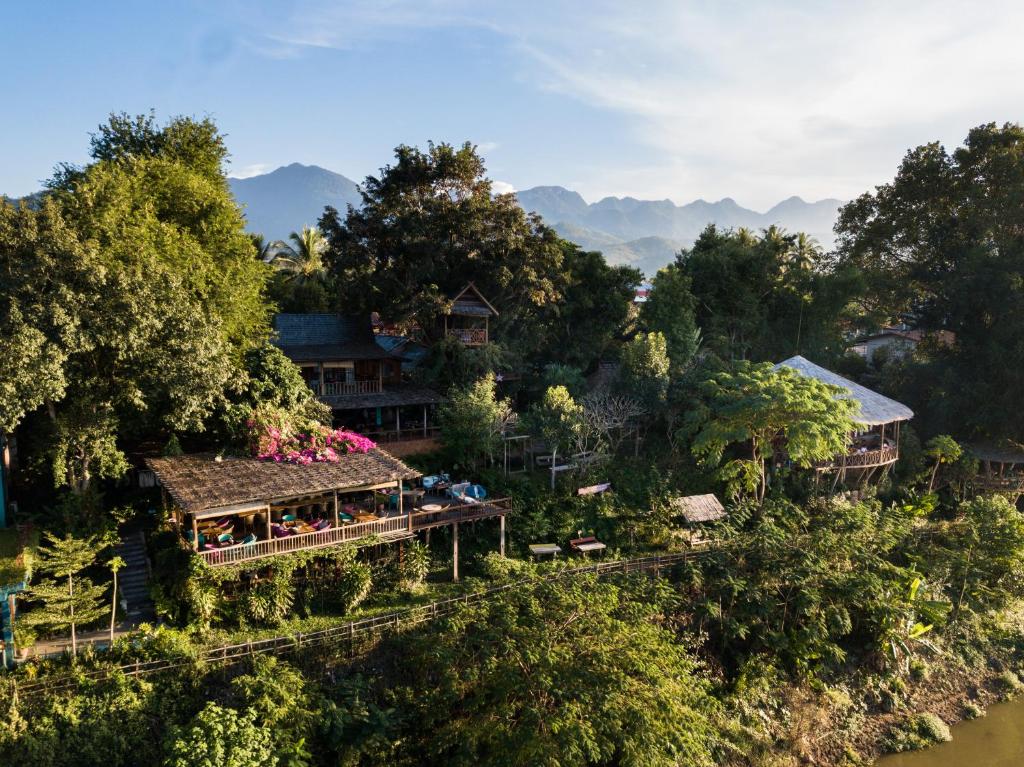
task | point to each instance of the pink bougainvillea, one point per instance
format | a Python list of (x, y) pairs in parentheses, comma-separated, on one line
[(272, 438)]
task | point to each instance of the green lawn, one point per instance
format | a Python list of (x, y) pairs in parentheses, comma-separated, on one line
[(15, 564)]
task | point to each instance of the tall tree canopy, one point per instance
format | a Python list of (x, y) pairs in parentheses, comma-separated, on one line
[(140, 289), (941, 245)]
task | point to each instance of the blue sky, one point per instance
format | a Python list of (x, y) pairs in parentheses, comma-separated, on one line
[(677, 100)]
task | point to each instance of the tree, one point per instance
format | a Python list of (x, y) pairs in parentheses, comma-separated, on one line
[(644, 374), (574, 672), (140, 283), (73, 600), (940, 245), (669, 310), (761, 406), (428, 225), (304, 261), (115, 565), (473, 422), (558, 420), (942, 449), (221, 737)]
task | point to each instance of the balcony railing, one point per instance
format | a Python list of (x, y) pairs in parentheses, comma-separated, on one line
[(396, 527), (879, 457), (469, 336), (334, 388)]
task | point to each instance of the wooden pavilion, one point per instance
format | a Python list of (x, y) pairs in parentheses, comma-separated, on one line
[(236, 509), (875, 447), (1001, 469)]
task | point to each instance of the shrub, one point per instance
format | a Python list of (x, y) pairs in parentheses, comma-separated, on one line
[(917, 731), (1007, 684), (415, 566)]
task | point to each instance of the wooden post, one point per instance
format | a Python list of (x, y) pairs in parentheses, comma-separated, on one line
[(501, 527), (424, 421), (195, 533), (320, 368), (398, 422), (455, 552), (269, 534), (337, 520)]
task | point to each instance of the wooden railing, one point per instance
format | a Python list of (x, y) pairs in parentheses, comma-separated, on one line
[(245, 552), (469, 336), (387, 526), (879, 457), (334, 388)]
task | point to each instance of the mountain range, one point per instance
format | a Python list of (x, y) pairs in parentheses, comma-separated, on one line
[(644, 233)]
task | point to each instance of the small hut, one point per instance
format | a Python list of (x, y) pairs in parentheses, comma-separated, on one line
[(697, 511)]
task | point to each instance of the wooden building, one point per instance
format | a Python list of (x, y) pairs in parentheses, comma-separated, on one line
[(469, 317), (875, 446), (360, 379), (234, 509)]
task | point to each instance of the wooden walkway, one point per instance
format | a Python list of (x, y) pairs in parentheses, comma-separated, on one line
[(375, 626)]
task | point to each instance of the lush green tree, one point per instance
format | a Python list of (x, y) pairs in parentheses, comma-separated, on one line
[(115, 564), (940, 245), (669, 310), (759, 406), (473, 420), (574, 672), (141, 287), (570, 377), (941, 449), (428, 225), (72, 599), (645, 369), (304, 260), (222, 737), (557, 419)]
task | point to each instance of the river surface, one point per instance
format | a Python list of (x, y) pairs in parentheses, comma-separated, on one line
[(994, 740)]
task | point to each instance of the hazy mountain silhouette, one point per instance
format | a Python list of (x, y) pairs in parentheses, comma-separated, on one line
[(644, 233)]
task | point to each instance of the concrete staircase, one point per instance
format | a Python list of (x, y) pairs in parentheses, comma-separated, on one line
[(133, 578)]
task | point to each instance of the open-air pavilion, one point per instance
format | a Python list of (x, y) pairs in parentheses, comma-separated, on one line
[(875, 446), (235, 509)]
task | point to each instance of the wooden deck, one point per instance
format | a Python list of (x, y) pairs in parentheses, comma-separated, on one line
[(393, 528), (868, 460)]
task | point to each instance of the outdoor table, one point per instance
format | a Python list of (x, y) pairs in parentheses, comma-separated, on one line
[(431, 507), (593, 546), (538, 549), (362, 516)]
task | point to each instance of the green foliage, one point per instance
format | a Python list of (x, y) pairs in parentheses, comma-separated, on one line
[(278, 696), (917, 731), (669, 310), (556, 419), (222, 737), (415, 566), (68, 599), (572, 673), (941, 244), (941, 449), (759, 406), (644, 374), (567, 376), (472, 421)]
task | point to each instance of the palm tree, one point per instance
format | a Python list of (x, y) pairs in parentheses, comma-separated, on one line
[(805, 252), (115, 564), (303, 261)]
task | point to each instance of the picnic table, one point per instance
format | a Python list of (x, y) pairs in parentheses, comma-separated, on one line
[(539, 549), (587, 544)]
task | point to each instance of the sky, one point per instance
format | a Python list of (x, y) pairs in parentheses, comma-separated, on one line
[(670, 100)]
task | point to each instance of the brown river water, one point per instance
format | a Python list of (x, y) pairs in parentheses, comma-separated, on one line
[(994, 740)]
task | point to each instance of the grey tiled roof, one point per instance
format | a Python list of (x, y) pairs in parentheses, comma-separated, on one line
[(319, 337), (392, 396), (875, 408)]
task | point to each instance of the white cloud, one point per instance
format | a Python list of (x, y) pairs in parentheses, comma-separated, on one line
[(757, 101), (248, 171), (502, 187)]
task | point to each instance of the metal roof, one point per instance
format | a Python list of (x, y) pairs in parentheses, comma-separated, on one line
[(320, 337), (875, 408)]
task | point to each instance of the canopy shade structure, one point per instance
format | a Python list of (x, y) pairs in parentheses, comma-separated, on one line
[(200, 481), (699, 508), (875, 409)]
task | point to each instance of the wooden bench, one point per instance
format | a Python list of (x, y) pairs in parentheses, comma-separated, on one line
[(585, 544)]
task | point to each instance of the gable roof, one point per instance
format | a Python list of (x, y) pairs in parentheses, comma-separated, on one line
[(875, 408), (199, 481), (699, 508), (471, 302), (319, 337)]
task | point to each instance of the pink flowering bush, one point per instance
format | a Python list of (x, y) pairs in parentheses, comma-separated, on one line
[(274, 438)]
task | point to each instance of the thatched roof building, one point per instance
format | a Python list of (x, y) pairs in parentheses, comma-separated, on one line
[(202, 481), (875, 409), (699, 508)]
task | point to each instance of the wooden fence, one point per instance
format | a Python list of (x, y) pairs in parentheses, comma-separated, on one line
[(374, 626)]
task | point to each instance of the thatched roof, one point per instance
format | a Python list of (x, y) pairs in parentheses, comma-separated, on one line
[(996, 453), (875, 409), (199, 481), (699, 508)]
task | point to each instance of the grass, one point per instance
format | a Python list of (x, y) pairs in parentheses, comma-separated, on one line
[(15, 562)]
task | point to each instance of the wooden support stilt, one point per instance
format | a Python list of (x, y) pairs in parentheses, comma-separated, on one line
[(195, 533), (455, 552)]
